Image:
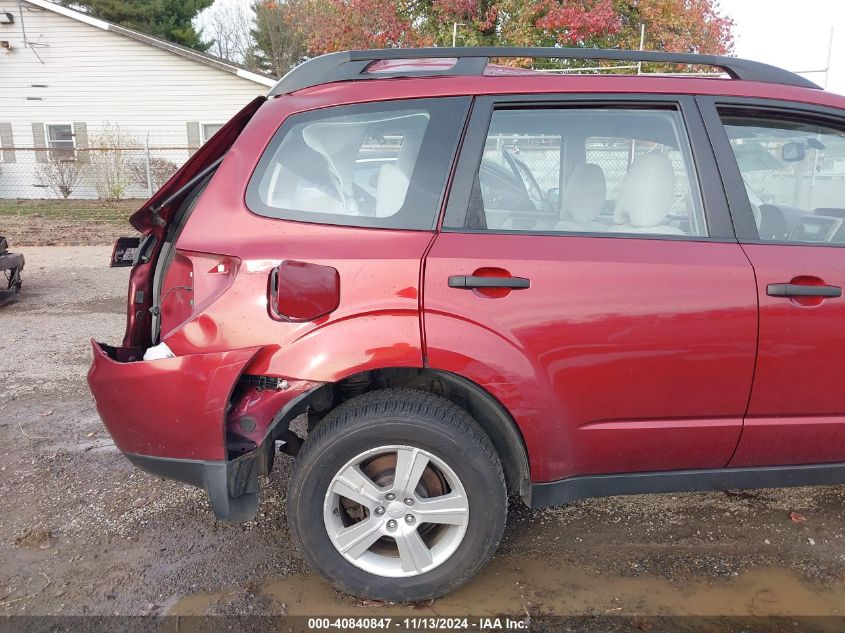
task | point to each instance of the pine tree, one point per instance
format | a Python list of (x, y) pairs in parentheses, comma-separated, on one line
[(278, 45), (170, 20)]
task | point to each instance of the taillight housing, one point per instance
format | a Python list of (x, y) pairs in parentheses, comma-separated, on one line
[(192, 282)]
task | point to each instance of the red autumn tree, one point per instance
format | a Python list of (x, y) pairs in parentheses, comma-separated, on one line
[(333, 25), (679, 26), (671, 25)]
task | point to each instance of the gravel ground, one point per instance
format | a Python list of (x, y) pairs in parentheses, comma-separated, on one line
[(82, 532)]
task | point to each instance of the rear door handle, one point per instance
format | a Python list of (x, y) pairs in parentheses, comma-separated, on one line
[(473, 281), (801, 290)]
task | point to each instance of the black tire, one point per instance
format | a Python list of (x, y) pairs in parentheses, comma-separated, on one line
[(412, 418)]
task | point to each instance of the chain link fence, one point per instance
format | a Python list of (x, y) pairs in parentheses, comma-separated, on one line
[(816, 182), (541, 155), (116, 173), (105, 173)]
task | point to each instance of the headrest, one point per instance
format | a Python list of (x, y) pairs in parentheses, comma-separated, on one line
[(647, 192), (585, 194), (772, 223), (391, 189)]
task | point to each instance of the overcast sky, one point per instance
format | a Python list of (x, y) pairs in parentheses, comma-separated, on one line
[(791, 34)]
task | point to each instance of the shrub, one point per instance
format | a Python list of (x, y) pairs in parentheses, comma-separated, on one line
[(109, 158), (160, 170), (61, 175)]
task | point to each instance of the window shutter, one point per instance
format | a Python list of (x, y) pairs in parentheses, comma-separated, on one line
[(194, 140), (39, 141), (7, 142), (80, 141)]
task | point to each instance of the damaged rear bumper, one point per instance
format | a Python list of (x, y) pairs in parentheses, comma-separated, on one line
[(169, 417), (232, 486)]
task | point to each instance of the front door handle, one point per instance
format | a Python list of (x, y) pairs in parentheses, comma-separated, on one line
[(802, 290), (474, 281)]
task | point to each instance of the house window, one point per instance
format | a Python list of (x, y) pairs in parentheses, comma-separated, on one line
[(61, 141), (209, 130)]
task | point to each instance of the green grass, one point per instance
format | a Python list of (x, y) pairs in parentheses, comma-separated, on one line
[(82, 211)]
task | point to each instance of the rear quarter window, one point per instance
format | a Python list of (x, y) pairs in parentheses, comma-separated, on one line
[(382, 165)]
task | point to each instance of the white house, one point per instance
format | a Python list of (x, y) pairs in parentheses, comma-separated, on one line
[(67, 78)]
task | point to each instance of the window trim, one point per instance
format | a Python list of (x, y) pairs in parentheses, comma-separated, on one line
[(202, 124), (7, 142), (457, 106), (716, 213), (72, 152), (738, 201)]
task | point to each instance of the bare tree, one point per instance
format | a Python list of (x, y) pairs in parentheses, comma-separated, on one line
[(160, 171), (61, 175), (230, 25), (110, 155)]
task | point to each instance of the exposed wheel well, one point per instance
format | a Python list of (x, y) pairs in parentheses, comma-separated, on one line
[(493, 418)]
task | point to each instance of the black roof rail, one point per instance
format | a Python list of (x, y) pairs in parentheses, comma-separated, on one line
[(352, 65)]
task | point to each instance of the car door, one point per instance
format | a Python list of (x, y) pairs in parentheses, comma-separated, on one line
[(587, 276), (784, 165)]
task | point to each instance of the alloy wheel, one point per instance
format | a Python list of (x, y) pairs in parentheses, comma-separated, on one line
[(396, 511)]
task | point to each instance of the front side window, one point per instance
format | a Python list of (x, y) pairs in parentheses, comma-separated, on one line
[(60, 140), (794, 174), (375, 165), (579, 170)]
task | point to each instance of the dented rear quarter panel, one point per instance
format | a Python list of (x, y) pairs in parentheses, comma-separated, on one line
[(377, 321)]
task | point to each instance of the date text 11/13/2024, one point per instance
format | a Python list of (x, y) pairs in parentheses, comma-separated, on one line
[(421, 623)]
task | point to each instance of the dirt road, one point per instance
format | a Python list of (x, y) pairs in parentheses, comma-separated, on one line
[(82, 532)]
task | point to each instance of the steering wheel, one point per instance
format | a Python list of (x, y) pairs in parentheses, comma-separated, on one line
[(524, 175)]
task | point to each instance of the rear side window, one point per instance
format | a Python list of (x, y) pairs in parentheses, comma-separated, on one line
[(373, 165), (599, 170)]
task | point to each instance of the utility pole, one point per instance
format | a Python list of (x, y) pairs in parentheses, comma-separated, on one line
[(824, 85), (642, 47), (632, 150), (826, 69), (829, 57), (455, 26)]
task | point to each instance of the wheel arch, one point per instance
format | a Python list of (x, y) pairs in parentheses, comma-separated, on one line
[(494, 419)]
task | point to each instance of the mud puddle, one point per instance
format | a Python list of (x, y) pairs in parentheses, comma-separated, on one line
[(543, 589)]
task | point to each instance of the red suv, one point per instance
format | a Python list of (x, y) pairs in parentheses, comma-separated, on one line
[(477, 280)]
